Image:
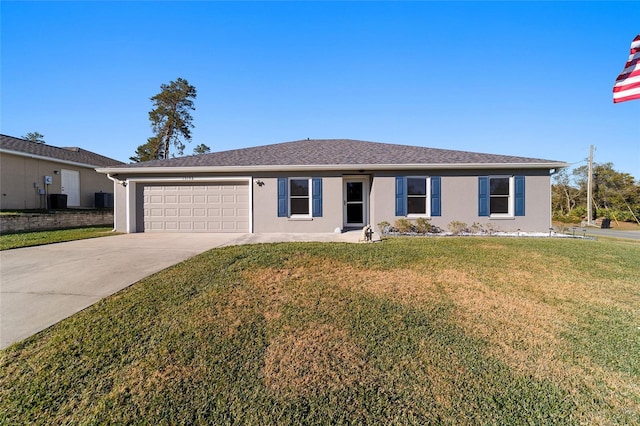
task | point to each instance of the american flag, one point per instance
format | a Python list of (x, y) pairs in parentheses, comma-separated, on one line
[(627, 85)]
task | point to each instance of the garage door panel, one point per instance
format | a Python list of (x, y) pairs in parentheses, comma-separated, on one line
[(212, 207)]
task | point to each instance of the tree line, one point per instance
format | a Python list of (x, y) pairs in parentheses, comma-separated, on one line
[(615, 195)]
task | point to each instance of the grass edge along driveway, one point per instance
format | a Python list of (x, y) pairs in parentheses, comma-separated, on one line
[(38, 238), (410, 331)]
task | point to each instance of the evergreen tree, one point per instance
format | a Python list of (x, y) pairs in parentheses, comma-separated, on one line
[(34, 137), (171, 121), (201, 149)]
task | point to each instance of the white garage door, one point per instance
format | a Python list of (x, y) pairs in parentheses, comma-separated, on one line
[(212, 207)]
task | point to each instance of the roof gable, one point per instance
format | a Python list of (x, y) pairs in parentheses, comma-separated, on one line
[(333, 152), (10, 144)]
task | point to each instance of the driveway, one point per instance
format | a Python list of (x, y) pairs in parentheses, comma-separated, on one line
[(43, 285)]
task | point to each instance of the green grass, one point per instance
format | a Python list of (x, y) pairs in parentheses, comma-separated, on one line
[(28, 239), (410, 331)]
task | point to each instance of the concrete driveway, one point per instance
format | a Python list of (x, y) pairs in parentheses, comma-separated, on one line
[(43, 285)]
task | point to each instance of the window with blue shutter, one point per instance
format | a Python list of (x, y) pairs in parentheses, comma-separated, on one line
[(483, 196), (436, 196), (401, 199), (316, 195), (519, 195), (299, 197), (501, 196), (283, 199), (412, 196)]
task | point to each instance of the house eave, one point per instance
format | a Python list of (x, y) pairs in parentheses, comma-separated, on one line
[(328, 167), (45, 158)]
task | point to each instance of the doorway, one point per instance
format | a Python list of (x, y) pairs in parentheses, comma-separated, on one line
[(356, 201), (70, 181)]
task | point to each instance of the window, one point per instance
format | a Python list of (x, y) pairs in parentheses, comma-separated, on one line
[(417, 196), (299, 199), (501, 196)]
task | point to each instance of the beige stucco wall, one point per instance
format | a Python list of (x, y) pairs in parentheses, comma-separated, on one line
[(21, 177)]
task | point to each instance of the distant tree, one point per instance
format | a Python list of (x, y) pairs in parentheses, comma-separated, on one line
[(170, 119), (565, 196), (148, 151), (34, 137), (615, 195), (201, 149)]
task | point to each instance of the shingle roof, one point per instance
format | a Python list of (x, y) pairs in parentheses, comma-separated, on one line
[(74, 155), (319, 152)]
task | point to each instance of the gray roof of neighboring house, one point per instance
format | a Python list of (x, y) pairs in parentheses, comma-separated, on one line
[(69, 155), (331, 152)]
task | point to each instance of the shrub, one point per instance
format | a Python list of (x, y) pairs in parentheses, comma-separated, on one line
[(491, 229), (477, 228), (384, 227), (403, 225), (456, 227), (423, 225)]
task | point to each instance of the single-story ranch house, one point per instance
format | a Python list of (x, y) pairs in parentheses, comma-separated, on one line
[(31, 171), (321, 185)]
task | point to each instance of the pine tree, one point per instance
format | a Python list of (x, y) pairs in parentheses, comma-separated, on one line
[(171, 121)]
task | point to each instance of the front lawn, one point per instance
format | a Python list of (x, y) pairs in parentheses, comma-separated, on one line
[(29, 239), (409, 331)]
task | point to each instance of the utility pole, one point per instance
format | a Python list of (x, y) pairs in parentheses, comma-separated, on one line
[(590, 187)]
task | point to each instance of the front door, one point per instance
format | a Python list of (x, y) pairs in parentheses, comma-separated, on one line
[(70, 182), (356, 195)]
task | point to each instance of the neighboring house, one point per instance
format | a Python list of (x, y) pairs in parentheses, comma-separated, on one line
[(30, 172), (321, 185)]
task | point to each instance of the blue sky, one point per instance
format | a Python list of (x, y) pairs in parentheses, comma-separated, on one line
[(519, 78)]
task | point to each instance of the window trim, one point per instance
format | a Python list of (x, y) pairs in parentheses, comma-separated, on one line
[(309, 196), (427, 196), (510, 198)]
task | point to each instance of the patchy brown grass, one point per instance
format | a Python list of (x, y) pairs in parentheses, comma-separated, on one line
[(311, 361), (521, 312)]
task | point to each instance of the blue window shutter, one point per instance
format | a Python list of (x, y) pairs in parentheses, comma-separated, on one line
[(436, 196), (483, 196), (316, 197), (519, 195), (401, 198), (283, 202)]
